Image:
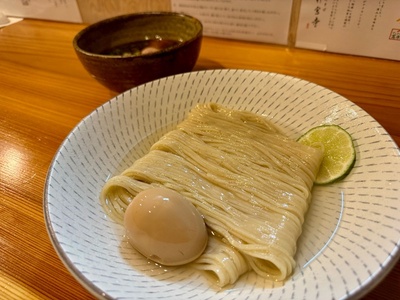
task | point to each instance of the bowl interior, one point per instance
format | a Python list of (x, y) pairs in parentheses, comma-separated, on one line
[(104, 37)]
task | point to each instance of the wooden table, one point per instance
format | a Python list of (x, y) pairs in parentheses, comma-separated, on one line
[(45, 92)]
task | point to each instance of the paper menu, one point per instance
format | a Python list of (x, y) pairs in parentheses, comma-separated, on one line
[(359, 27), (252, 20), (58, 10)]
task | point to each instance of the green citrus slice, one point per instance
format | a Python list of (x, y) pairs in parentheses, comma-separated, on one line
[(339, 152)]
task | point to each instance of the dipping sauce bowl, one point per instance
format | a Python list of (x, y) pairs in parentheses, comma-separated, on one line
[(126, 51)]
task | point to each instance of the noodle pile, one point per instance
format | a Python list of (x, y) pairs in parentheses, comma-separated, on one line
[(251, 183)]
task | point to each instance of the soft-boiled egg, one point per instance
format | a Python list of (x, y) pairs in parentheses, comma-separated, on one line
[(165, 227)]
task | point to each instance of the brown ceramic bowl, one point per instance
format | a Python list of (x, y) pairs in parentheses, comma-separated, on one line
[(126, 51)]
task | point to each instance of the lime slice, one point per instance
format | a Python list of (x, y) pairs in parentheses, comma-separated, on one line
[(339, 152)]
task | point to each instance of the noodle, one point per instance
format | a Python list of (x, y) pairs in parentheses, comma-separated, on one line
[(251, 183)]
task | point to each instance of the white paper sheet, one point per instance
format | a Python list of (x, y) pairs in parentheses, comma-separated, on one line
[(57, 10), (252, 20), (9, 21), (360, 27)]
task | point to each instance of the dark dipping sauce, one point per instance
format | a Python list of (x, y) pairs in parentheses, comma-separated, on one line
[(141, 47)]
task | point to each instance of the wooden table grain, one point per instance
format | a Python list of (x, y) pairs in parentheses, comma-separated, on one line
[(45, 92)]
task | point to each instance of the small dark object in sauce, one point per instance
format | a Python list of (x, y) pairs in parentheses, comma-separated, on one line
[(141, 47)]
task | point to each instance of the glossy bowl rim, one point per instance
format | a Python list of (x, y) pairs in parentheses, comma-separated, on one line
[(93, 26)]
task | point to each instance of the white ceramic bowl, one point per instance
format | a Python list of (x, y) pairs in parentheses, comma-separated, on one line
[(351, 233)]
